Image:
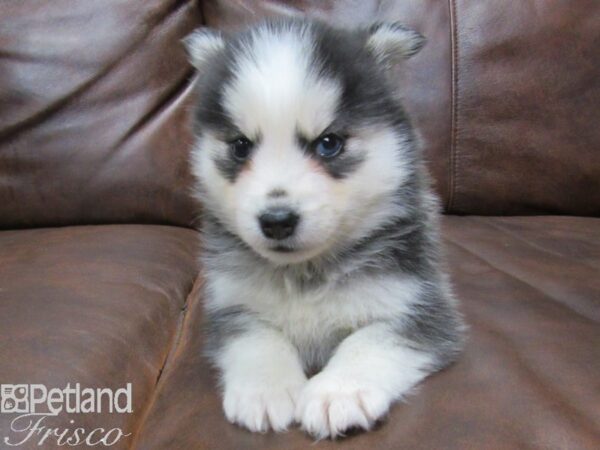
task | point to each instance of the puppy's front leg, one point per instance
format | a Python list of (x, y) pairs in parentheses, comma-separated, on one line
[(261, 377), (370, 369)]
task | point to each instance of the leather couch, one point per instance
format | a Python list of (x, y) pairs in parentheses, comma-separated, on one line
[(98, 274)]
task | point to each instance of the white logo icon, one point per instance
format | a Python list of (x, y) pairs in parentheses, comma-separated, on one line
[(14, 398)]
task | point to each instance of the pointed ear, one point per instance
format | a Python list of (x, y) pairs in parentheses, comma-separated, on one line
[(392, 42), (202, 44)]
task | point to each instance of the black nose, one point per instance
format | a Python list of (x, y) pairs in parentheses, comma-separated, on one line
[(278, 223)]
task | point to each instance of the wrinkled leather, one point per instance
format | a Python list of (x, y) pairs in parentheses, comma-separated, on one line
[(529, 378), (93, 124), (97, 305), (93, 118)]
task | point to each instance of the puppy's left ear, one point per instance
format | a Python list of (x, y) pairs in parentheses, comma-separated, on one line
[(392, 42), (202, 44)]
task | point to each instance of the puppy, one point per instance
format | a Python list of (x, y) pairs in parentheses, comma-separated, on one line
[(325, 297)]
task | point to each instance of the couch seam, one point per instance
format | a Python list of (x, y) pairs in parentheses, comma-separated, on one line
[(174, 345), (452, 157), (202, 13)]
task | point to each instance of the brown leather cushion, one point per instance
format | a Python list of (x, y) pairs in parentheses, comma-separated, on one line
[(93, 125), (530, 377), (97, 305), (94, 100)]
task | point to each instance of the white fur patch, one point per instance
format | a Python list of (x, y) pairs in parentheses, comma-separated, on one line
[(262, 377), (368, 372), (368, 195), (276, 93), (311, 319)]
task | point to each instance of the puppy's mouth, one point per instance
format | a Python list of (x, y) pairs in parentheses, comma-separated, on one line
[(285, 253), (283, 249)]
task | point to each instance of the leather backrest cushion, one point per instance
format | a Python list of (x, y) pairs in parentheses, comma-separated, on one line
[(92, 111), (94, 99), (527, 107)]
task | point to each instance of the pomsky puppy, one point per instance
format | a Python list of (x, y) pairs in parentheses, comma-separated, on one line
[(325, 296)]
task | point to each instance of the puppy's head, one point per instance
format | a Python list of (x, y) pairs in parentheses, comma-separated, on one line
[(302, 147)]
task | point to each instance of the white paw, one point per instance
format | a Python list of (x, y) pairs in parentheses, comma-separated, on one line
[(330, 405), (260, 406)]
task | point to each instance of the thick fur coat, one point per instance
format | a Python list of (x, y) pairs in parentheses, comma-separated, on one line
[(325, 295)]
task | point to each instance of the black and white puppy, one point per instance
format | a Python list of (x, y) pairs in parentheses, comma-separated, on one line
[(325, 299)]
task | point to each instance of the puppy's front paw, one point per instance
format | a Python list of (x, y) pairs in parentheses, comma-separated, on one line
[(260, 405), (330, 405)]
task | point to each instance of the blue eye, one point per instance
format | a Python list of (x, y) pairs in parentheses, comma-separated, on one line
[(241, 148), (329, 146)]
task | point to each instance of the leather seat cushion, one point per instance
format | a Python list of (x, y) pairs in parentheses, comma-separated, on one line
[(107, 305), (530, 376), (97, 305)]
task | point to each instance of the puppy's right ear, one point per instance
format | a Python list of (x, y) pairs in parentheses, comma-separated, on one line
[(202, 44)]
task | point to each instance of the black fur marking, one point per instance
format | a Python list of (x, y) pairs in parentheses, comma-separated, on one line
[(341, 55), (434, 326), (342, 166), (366, 98), (210, 112), (229, 166), (224, 324), (283, 249), (277, 193)]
